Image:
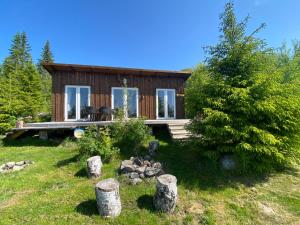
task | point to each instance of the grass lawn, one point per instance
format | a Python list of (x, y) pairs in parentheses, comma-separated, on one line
[(55, 190)]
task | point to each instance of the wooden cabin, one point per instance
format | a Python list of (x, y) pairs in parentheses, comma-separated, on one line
[(150, 94)]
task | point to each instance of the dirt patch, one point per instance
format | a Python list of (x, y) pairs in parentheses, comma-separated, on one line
[(196, 208), (15, 199)]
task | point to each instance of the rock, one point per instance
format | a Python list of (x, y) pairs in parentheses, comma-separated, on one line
[(165, 197), (127, 166), (228, 162), (108, 198), (136, 181), (150, 171), (20, 163), (147, 163), (147, 157), (28, 162), (138, 161), (132, 158), (140, 169), (10, 165), (153, 146), (266, 209), (253, 189), (3, 166), (157, 165), (134, 175), (94, 165), (16, 168), (152, 162), (142, 176)]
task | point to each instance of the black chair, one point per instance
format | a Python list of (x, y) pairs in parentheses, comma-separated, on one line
[(105, 113), (89, 112)]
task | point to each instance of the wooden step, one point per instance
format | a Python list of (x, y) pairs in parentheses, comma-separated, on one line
[(15, 134)]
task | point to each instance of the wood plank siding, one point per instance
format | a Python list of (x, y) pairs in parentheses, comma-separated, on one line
[(102, 79)]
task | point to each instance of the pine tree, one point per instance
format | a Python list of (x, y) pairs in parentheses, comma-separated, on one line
[(46, 57), (241, 102)]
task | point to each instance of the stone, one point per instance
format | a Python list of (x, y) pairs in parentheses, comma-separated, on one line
[(142, 176), (157, 165), (153, 146), (138, 161), (147, 163), (132, 158), (28, 162), (140, 170), (10, 165), (127, 166), (134, 175), (150, 171), (17, 168), (136, 181), (94, 165), (108, 198), (152, 162), (165, 197), (228, 162), (20, 163), (147, 157)]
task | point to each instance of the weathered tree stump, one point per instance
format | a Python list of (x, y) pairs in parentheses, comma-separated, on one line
[(166, 193), (108, 198), (94, 166)]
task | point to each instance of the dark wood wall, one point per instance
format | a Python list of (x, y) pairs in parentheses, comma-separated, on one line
[(101, 85)]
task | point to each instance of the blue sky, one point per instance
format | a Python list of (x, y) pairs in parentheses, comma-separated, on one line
[(161, 34)]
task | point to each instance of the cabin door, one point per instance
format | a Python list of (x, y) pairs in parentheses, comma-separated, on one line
[(165, 104)]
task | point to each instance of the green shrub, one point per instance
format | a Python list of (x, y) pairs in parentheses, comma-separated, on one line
[(6, 123), (93, 143), (130, 134)]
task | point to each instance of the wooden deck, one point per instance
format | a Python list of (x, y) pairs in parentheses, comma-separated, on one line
[(176, 127)]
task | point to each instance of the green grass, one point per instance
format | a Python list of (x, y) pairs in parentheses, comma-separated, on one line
[(55, 190)]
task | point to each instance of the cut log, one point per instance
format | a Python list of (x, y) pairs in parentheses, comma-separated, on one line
[(165, 197), (108, 198), (94, 166)]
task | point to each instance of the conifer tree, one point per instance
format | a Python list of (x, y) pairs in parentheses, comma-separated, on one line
[(46, 57), (241, 102)]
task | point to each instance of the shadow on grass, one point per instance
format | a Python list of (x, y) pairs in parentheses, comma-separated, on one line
[(29, 141), (88, 208), (184, 161), (81, 173), (65, 162), (146, 202)]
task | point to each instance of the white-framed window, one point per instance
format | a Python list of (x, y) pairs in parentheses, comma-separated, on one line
[(126, 98), (76, 99), (165, 103)]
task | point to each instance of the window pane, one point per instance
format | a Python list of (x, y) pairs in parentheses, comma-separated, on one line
[(171, 103), (118, 99), (132, 103), (71, 103), (161, 110), (84, 101)]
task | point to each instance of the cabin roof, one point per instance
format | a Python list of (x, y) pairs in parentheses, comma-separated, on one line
[(53, 67)]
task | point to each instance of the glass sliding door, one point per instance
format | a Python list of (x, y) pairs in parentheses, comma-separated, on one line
[(165, 104), (76, 99), (126, 100)]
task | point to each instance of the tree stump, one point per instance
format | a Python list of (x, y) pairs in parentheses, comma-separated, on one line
[(94, 165), (108, 198), (166, 193)]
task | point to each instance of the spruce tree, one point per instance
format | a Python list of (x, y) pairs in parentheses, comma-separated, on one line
[(46, 57), (241, 103)]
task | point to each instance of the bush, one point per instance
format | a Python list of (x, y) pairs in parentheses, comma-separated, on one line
[(6, 123), (130, 134), (92, 144)]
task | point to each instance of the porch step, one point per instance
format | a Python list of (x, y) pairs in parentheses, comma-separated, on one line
[(14, 134), (177, 129)]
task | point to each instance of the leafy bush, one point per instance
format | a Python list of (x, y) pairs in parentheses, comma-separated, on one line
[(130, 134), (92, 144), (244, 101), (6, 123)]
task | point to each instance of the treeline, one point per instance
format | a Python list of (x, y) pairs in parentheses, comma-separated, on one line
[(245, 100), (25, 87)]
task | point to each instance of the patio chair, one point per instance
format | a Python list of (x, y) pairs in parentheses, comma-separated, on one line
[(90, 112), (105, 113)]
